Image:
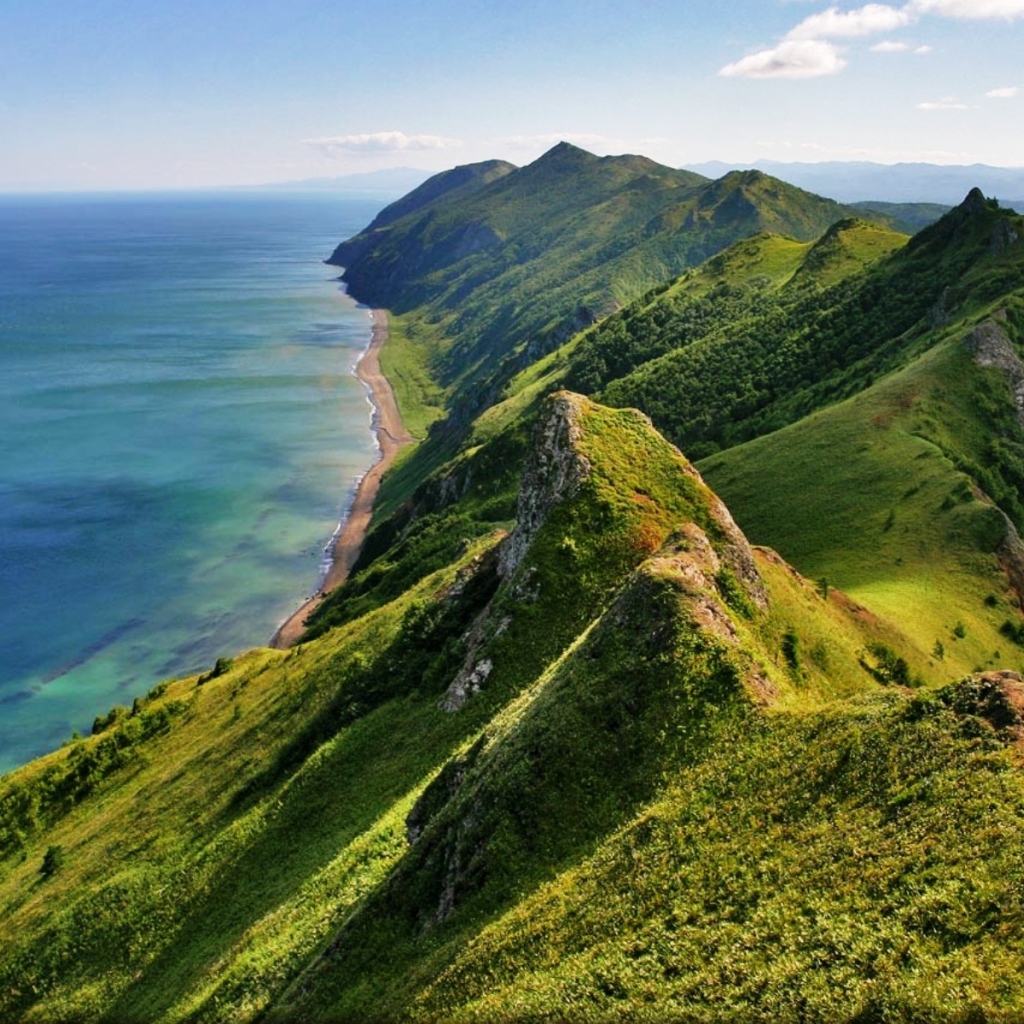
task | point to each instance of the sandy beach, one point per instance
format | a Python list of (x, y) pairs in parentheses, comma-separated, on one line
[(391, 436)]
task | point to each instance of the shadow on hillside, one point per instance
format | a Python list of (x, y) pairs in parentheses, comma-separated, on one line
[(328, 805)]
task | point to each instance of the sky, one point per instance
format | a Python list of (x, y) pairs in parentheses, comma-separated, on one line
[(135, 94)]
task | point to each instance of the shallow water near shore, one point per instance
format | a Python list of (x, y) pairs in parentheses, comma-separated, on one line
[(181, 430)]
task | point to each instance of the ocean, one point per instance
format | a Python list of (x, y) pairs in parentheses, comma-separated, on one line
[(181, 430)]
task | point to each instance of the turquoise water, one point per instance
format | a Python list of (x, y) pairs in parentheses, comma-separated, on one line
[(180, 432)]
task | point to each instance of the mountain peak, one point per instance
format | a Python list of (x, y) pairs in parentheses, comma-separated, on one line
[(975, 200), (738, 178), (565, 153), (564, 148), (969, 225)]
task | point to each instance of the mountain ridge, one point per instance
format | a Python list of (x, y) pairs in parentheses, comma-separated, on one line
[(592, 731), (906, 182), (534, 256)]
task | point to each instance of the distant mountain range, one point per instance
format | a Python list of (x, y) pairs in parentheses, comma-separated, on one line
[(843, 181), (391, 180), (856, 181)]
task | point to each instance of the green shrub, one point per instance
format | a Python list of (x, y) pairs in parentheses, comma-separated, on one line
[(889, 667), (53, 861), (790, 648)]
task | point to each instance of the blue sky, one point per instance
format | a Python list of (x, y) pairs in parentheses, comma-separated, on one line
[(139, 94)]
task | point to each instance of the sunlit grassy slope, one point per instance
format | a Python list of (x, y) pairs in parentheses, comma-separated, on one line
[(870, 495)]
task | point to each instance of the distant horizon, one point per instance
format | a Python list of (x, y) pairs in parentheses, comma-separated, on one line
[(27, 189), (400, 179)]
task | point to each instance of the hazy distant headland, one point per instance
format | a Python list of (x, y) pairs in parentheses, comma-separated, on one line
[(858, 181)]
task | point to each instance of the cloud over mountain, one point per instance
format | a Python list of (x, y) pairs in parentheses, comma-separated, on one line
[(379, 142)]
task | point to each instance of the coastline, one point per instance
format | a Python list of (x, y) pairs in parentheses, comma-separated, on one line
[(391, 437)]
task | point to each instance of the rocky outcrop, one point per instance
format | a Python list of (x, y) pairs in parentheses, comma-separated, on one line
[(554, 473), (996, 698), (471, 676), (991, 348), (1010, 553), (715, 553), (734, 549), (1004, 235)]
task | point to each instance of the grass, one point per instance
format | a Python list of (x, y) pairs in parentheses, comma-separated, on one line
[(691, 785), (832, 637), (183, 885), (405, 360), (648, 732), (859, 495), (861, 863)]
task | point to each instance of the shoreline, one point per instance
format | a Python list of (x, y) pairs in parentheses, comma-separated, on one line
[(391, 436)]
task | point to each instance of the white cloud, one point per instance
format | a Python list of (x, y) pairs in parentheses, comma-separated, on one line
[(792, 58), (1007, 92), (806, 53), (863, 21), (379, 142), (974, 9), (946, 103)]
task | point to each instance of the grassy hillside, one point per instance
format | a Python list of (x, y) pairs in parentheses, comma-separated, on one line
[(566, 745), (799, 872), (872, 495), (330, 833), (515, 265), (771, 358)]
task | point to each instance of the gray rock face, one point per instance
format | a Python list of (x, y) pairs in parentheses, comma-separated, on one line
[(553, 474), (471, 677), (1004, 235), (990, 347), (555, 471), (736, 552)]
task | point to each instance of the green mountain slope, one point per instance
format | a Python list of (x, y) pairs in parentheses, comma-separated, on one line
[(877, 495), (759, 286), (568, 745), (217, 837), (500, 275), (892, 494), (792, 874), (594, 808), (757, 359)]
